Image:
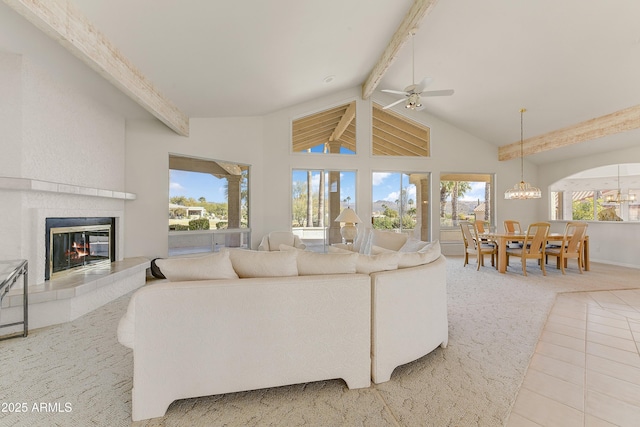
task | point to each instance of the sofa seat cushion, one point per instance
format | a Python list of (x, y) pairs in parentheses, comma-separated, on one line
[(247, 263), (312, 263), (206, 267)]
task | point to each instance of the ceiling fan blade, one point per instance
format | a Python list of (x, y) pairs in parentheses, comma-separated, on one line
[(397, 92), (392, 104), (423, 84), (445, 92)]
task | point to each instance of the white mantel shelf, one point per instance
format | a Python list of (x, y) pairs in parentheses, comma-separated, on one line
[(27, 184)]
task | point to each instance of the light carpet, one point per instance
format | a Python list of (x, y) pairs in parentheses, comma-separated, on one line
[(77, 374)]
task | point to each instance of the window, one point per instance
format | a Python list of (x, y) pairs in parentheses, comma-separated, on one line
[(207, 196), (465, 197), (318, 197), (607, 193), (400, 202), (331, 131), (396, 135)]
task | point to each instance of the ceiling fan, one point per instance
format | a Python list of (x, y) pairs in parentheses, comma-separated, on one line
[(413, 92)]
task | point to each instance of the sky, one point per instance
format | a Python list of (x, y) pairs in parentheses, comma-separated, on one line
[(196, 185)]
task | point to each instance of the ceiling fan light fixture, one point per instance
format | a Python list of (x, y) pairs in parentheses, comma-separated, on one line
[(522, 190), (414, 91), (413, 102)]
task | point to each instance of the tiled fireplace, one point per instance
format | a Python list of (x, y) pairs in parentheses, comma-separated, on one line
[(81, 231)]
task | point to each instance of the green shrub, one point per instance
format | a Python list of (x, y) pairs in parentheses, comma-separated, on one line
[(178, 227), (199, 224)]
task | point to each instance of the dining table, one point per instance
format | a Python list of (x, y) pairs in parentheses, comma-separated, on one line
[(503, 239)]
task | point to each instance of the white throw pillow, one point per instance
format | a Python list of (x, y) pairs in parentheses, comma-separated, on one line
[(413, 245), (388, 239), (213, 266), (428, 254), (311, 263), (371, 263), (264, 264)]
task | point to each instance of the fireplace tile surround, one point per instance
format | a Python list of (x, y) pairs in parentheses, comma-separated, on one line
[(76, 293)]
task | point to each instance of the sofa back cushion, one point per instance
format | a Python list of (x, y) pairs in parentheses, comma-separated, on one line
[(263, 264), (311, 263), (429, 253), (413, 245), (388, 239), (206, 267)]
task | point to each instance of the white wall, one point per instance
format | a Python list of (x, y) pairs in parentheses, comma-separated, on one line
[(149, 144), (610, 242), (265, 144), (58, 135), (11, 146)]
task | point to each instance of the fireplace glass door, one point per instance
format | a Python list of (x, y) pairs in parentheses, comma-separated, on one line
[(73, 247)]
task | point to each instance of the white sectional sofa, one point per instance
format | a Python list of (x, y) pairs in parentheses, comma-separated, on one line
[(243, 320)]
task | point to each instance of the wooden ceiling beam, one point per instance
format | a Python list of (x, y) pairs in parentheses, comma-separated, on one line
[(398, 120), (345, 121), (324, 129), (610, 124), (386, 140), (414, 16), (472, 177), (318, 120), (63, 23), (401, 134)]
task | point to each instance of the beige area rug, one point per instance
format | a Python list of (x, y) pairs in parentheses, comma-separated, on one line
[(77, 374)]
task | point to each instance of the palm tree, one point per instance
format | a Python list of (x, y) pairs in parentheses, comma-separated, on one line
[(456, 189)]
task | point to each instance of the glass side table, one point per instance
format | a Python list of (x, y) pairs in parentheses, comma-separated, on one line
[(10, 272)]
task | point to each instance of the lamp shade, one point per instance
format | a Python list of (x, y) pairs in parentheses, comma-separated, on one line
[(348, 215)]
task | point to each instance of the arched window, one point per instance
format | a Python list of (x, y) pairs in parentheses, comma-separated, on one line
[(606, 193)]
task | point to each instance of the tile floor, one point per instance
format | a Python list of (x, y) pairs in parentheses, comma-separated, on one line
[(586, 367)]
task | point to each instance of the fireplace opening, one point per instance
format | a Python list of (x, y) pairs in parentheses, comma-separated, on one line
[(78, 242)]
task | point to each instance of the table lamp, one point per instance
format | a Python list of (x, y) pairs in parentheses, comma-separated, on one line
[(348, 230)]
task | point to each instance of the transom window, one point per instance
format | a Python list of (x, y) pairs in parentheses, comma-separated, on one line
[(331, 131)]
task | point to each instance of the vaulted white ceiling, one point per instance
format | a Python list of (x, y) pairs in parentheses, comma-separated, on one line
[(565, 61)]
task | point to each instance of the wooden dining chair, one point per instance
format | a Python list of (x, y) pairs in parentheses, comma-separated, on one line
[(571, 246), (512, 226), (533, 246), (480, 226), (474, 246)]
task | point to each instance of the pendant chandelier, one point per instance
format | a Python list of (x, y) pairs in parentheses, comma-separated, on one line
[(522, 190), (619, 197)]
